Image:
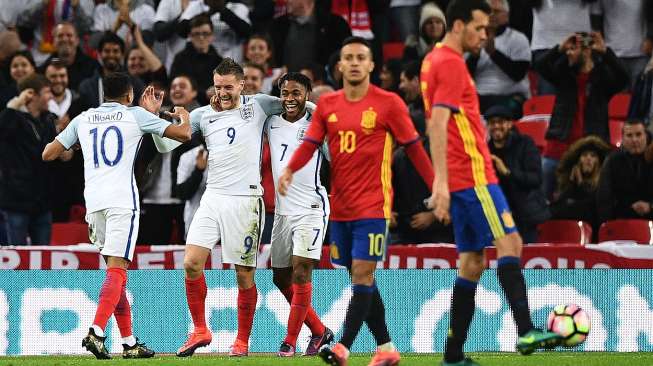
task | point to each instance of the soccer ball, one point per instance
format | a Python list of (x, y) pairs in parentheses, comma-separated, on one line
[(571, 322)]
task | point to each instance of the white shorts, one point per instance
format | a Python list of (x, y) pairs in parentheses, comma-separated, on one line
[(300, 235), (234, 221), (114, 231)]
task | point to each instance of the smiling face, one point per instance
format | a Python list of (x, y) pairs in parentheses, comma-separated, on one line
[(355, 63), (182, 92), (293, 99), (20, 67), (228, 89), (111, 55), (253, 80), (499, 128), (58, 77), (258, 51), (136, 62), (65, 39)]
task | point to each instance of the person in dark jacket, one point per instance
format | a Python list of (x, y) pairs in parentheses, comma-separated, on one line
[(586, 75), (307, 34), (626, 182), (199, 58), (26, 126), (518, 165), (578, 180)]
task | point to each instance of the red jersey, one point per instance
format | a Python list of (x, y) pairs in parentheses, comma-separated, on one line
[(445, 82), (360, 137)]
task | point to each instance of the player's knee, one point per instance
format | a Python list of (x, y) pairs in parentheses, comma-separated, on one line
[(362, 275), (301, 274), (245, 277), (472, 269), (192, 266)]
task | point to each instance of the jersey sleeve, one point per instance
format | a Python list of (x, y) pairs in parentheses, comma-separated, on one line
[(68, 137), (149, 122), (271, 105), (196, 118), (317, 129), (400, 124), (448, 84)]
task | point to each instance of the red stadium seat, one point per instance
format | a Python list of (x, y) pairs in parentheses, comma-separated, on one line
[(618, 107), (539, 107), (536, 130), (393, 50), (564, 232), (615, 126), (640, 231), (69, 233)]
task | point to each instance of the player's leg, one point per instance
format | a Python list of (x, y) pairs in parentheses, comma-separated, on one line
[(247, 297), (203, 234)]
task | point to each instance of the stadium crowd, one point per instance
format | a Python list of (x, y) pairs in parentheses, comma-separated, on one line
[(54, 54)]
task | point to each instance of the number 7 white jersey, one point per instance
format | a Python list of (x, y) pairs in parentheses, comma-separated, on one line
[(306, 194), (110, 136)]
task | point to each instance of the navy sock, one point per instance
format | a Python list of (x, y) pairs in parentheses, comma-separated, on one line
[(462, 312), (357, 312), (376, 319), (514, 287)]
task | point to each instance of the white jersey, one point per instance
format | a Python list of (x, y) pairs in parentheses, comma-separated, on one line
[(234, 139), (306, 194), (110, 136)]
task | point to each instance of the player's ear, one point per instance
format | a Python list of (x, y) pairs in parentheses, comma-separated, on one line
[(371, 66)]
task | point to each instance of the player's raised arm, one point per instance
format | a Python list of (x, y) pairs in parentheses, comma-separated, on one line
[(61, 143)]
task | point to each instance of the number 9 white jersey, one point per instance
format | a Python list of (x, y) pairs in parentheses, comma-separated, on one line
[(110, 136)]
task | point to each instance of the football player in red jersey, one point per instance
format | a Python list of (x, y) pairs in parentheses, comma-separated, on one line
[(361, 123), (465, 189)]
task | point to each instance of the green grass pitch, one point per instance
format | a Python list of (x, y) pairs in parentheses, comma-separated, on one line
[(486, 359)]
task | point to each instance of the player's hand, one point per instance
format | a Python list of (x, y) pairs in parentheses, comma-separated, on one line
[(215, 103), (202, 160), (284, 181), (642, 208), (571, 42), (422, 220), (181, 114), (598, 44), (151, 100), (439, 202), (25, 97)]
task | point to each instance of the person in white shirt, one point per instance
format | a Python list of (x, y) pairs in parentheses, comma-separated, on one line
[(231, 210), (119, 16), (62, 97), (191, 181), (166, 22), (109, 137), (301, 216)]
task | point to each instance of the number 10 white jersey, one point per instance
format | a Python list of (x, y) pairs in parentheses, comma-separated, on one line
[(110, 136)]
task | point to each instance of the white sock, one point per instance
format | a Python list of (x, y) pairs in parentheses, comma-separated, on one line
[(98, 331), (386, 347), (129, 340)]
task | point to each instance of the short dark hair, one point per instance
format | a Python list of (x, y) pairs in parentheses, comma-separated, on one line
[(316, 69), (230, 67), (200, 20), (411, 69), (55, 62), (25, 54), (297, 77), (116, 85), (357, 39), (110, 37), (193, 83), (34, 81), (254, 66), (462, 10)]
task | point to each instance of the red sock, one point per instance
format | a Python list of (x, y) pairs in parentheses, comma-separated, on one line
[(196, 296), (312, 320), (246, 308), (109, 295), (123, 314), (301, 302)]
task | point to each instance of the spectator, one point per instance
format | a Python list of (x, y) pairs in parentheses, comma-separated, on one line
[(120, 16), (586, 74), (202, 53), (191, 180), (144, 64), (166, 25), (626, 182), (578, 180), (62, 97), (231, 25), (259, 51), (499, 71), (9, 14), (183, 92), (21, 65), (315, 73), (253, 78), (111, 50), (41, 17), (410, 89), (9, 44), (552, 21), (318, 91), (66, 49), (390, 73), (518, 164), (624, 24), (306, 35), (26, 126), (432, 27)]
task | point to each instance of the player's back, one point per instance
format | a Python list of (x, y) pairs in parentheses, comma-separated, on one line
[(446, 82), (306, 194), (109, 136)]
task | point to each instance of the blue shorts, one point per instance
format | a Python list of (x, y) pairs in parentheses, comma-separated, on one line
[(480, 215), (360, 239)]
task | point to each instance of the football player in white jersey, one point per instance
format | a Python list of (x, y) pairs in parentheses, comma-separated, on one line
[(300, 217), (231, 210), (109, 136)]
